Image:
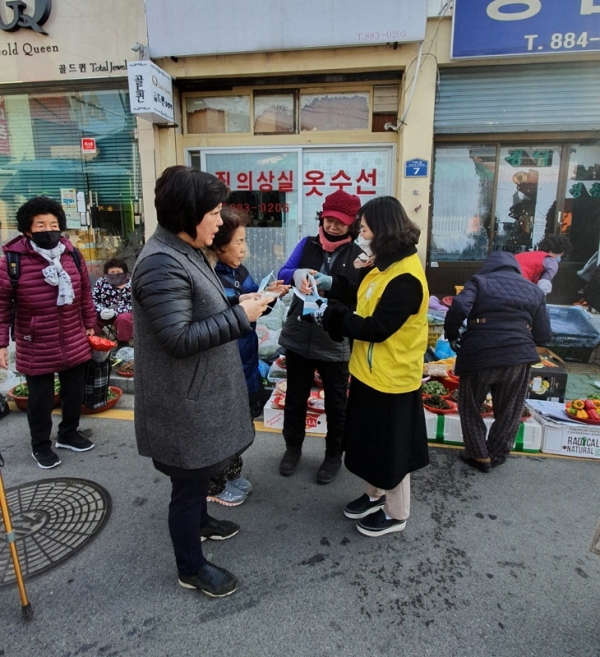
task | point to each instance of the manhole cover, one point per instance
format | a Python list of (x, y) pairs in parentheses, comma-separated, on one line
[(52, 519)]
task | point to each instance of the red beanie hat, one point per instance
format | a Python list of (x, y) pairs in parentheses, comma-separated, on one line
[(342, 206)]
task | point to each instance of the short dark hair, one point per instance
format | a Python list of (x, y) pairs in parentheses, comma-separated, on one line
[(556, 244), (116, 262), (392, 229), (233, 218), (40, 205), (182, 196)]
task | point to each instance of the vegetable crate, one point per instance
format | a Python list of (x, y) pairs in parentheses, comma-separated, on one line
[(435, 333)]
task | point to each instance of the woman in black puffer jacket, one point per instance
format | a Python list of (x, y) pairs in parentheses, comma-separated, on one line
[(505, 317)]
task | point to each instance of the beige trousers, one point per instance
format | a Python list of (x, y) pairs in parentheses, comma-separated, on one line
[(397, 500)]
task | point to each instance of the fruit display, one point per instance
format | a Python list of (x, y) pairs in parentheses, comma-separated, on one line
[(584, 409)]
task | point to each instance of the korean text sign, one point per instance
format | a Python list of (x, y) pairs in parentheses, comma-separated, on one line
[(492, 28)]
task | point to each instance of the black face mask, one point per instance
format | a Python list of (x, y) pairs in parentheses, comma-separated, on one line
[(116, 279), (46, 239)]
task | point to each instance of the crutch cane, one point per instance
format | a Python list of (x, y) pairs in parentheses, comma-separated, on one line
[(26, 608)]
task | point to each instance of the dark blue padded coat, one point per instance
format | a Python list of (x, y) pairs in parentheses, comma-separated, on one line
[(237, 282), (506, 317)]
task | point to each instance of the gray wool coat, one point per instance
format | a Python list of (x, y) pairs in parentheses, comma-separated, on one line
[(191, 400)]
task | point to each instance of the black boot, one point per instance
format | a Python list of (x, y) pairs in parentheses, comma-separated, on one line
[(329, 469), (289, 461)]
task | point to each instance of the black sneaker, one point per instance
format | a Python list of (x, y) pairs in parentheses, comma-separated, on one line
[(77, 442), (363, 507), (289, 461), (329, 469), (210, 579), (218, 530), (46, 459), (376, 524)]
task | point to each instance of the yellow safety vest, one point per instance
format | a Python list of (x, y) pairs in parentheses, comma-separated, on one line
[(395, 365)]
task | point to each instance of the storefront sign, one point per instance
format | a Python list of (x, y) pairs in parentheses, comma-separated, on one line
[(88, 145), (83, 39), (41, 13), (416, 169), (264, 25), (150, 92), (68, 199), (492, 28)]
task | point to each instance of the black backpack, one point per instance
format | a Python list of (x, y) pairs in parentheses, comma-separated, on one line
[(13, 265)]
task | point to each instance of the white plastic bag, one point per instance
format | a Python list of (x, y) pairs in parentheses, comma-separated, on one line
[(125, 353)]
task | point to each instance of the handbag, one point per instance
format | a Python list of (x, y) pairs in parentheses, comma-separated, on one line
[(97, 375)]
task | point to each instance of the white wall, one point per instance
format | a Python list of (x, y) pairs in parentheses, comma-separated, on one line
[(434, 7)]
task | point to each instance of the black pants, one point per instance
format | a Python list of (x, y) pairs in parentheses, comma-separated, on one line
[(41, 403), (301, 373), (187, 513)]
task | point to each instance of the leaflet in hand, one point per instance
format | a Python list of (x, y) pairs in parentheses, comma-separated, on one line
[(265, 281), (311, 301)]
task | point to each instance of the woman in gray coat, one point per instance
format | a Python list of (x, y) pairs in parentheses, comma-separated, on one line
[(189, 377)]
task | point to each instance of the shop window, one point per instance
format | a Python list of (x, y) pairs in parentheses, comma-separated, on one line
[(41, 154), (217, 114), (334, 111), (274, 114), (526, 196), (462, 203), (518, 185), (385, 106), (581, 211), (283, 189), (265, 185)]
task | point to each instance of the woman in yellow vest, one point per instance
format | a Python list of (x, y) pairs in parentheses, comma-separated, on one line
[(385, 438)]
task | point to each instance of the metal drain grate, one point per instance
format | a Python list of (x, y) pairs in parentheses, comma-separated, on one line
[(53, 519)]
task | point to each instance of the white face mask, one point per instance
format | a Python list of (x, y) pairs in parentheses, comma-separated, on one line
[(364, 244)]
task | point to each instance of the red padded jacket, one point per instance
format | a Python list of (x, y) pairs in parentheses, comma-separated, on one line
[(49, 338), (532, 264)]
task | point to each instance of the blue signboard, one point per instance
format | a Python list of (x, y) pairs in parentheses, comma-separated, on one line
[(493, 28), (416, 168)]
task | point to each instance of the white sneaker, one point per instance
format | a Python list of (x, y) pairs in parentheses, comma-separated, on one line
[(230, 496)]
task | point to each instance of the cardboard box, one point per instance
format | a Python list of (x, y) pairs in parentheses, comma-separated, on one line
[(565, 437), (273, 418), (548, 379), (446, 429)]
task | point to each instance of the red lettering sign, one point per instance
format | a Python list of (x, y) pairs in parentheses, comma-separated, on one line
[(88, 145)]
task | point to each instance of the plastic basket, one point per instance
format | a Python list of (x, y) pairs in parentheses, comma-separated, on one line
[(573, 354), (435, 333), (571, 327)]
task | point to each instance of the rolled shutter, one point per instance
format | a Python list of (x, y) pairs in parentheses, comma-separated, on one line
[(532, 98)]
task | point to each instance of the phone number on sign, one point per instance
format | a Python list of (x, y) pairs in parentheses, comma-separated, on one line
[(261, 207), (390, 35), (566, 41)]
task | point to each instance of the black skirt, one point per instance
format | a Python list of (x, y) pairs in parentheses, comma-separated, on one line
[(385, 436)]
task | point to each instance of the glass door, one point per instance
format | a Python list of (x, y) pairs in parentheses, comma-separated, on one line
[(283, 189), (264, 183)]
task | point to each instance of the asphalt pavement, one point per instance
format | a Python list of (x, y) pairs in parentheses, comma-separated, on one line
[(493, 565)]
